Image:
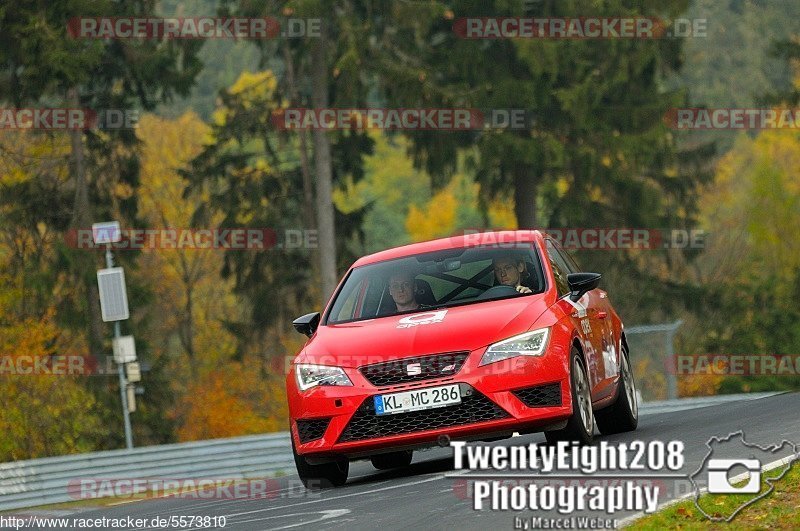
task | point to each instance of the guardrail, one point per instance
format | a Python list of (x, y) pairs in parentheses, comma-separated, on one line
[(46, 480)]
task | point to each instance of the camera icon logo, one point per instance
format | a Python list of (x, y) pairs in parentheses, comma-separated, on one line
[(745, 476), (719, 481)]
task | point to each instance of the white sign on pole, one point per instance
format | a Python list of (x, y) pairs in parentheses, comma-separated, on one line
[(113, 295), (124, 349), (106, 232)]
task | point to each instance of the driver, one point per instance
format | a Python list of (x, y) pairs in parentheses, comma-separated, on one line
[(508, 270), (401, 288)]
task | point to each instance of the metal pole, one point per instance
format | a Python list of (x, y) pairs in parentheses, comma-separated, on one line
[(672, 376), (672, 381), (123, 386)]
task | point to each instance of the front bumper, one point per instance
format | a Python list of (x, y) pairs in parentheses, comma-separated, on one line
[(523, 394)]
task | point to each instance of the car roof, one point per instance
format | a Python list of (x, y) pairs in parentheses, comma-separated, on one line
[(470, 239)]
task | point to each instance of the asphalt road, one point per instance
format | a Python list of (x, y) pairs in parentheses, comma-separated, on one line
[(430, 495)]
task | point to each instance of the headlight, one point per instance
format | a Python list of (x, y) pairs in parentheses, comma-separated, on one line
[(309, 376), (527, 344)]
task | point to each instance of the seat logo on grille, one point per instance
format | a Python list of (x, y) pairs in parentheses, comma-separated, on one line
[(413, 369)]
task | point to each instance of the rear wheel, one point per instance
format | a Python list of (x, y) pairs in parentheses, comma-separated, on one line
[(322, 476), (392, 460), (623, 414), (580, 426)]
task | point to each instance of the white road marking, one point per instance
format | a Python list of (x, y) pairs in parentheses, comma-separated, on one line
[(216, 503), (327, 514), (121, 503), (372, 491)]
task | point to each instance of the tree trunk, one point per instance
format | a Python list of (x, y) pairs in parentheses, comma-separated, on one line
[(525, 187), (186, 322), (305, 167), (324, 173), (309, 207), (188, 325), (82, 220)]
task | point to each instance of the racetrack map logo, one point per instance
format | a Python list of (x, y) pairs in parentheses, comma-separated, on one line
[(742, 475)]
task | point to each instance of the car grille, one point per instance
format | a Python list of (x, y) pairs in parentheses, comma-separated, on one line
[(474, 407), (540, 395), (396, 371), (311, 429)]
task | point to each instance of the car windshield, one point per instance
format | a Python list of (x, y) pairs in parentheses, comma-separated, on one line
[(436, 280)]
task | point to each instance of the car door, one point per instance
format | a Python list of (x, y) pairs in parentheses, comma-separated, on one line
[(584, 310), (602, 336), (577, 310), (609, 342)]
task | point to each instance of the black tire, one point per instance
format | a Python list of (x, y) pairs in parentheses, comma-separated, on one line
[(325, 476), (392, 460), (580, 426), (623, 414)]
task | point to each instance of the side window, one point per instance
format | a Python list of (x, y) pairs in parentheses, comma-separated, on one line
[(347, 309), (572, 267), (560, 268)]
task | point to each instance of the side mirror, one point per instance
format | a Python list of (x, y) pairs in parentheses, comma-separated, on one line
[(307, 324), (580, 283)]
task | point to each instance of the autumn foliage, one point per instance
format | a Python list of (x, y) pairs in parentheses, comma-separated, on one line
[(233, 400), (43, 414)]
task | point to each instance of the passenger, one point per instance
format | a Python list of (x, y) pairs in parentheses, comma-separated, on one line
[(508, 270), (401, 288)]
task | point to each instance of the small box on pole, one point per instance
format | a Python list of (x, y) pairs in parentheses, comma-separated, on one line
[(131, 399), (133, 371), (124, 349)]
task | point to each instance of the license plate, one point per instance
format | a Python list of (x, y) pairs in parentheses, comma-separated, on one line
[(429, 398)]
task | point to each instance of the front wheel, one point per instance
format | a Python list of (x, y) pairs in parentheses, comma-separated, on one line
[(580, 426), (623, 414), (323, 476)]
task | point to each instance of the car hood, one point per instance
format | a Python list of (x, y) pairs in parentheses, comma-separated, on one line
[(459, 328)]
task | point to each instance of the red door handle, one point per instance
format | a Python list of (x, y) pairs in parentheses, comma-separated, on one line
[(602, 315)]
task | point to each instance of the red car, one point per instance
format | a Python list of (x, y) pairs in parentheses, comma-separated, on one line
[(472, 337)]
